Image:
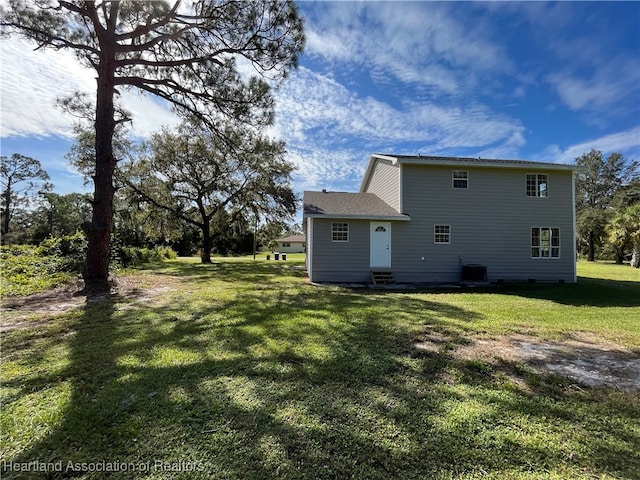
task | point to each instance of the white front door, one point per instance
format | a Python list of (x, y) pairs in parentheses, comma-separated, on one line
[(380, 244)]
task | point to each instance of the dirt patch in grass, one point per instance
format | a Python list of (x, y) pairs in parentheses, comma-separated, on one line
[(581, 357), (36, 310)]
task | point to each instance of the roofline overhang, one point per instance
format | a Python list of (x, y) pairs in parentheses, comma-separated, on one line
[(398, 218), (491, 164)]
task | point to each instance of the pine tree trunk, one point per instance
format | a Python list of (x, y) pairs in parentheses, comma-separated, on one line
[(96, 269)]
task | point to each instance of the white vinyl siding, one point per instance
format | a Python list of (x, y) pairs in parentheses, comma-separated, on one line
[(339, 232), (537, 185)]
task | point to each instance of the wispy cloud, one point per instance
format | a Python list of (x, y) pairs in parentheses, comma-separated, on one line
[(408, 42), (316, 109), (626, 142), (32, 80)]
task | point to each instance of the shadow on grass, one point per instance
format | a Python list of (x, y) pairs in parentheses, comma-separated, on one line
[(593, 292), (299, 383)]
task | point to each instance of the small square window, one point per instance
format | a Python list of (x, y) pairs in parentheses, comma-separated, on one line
[(460, 178), (442, 234), (537, 185), (339, 232)]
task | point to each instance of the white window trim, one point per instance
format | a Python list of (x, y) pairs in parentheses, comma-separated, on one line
[(347, 232), (453, 179), (551, 247), (448, 234), (537, 195)]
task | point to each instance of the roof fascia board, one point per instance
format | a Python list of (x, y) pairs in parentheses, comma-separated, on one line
[(401, 218), (489, 164)]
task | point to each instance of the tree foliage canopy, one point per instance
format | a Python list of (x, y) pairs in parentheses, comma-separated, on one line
[(199, 177), (20, 178), (189, 54), (596, 190)]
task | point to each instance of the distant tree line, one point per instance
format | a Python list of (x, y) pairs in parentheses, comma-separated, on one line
[(151, 207), (608, 208), (187, 190)]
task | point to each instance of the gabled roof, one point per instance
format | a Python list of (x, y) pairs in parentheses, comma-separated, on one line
[(293, 239), (463, 162), (366, 206)]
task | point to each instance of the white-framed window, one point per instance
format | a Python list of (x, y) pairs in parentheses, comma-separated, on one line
[(286, 244), (460, 179), (545, 242), (339, 232), (442, 234), (537, 185)]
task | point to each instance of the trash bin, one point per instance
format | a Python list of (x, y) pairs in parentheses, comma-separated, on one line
[(276, 256), (284, 256), (268, 257)]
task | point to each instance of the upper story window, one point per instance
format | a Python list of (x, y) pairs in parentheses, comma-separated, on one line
[(537, 185), (460, 178), (339, 232)]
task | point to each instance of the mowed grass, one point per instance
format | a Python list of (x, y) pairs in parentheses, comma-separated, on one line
[(244, 370)]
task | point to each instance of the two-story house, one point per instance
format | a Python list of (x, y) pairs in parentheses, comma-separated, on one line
[(431, 219)]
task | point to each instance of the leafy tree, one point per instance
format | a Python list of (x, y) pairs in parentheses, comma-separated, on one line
[(61, 215), (596, 188), (187, 54), (21, 177), (624, 230), (203, 179)]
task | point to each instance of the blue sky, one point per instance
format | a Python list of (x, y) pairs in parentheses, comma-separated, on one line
[(528, 80)]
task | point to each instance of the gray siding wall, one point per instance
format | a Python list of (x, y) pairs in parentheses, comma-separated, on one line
[(340, 261), (490, 225), (385, 183)]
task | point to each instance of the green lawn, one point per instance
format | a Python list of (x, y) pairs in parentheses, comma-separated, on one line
[(242, 369)]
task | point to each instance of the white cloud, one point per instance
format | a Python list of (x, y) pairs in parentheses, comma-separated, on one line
[(600, 92), (626, 142), (32, 81), (316, 109), (410, 42)]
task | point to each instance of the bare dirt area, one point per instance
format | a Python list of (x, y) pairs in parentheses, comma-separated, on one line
[(584, 358), (39, 309)]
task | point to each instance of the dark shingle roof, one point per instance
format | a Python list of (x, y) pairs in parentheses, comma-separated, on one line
[(485, 162), (348, 205)]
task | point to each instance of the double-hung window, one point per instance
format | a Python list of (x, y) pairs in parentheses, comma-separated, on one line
[(460, 178), (545, 242), (442, 234), (537, 185), (339, 232)]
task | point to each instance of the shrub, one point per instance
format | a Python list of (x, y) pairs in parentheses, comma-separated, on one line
[(132, 256), (70, 250)]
